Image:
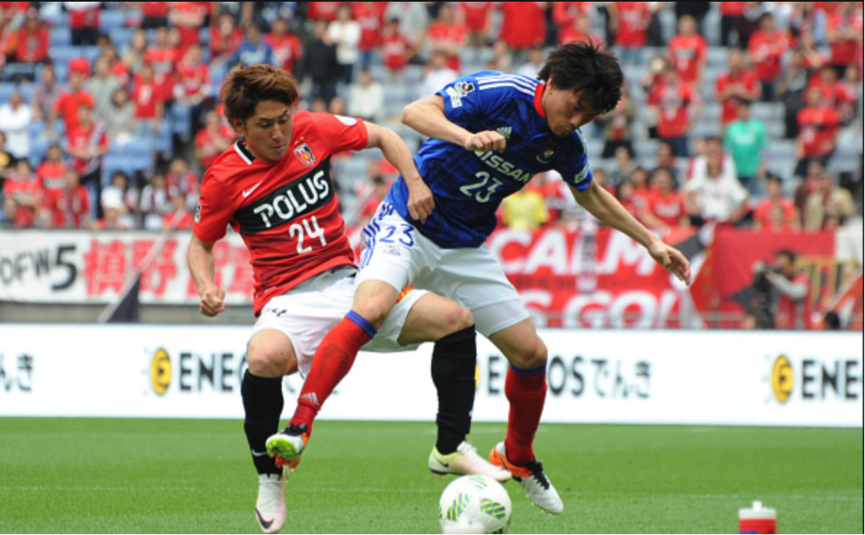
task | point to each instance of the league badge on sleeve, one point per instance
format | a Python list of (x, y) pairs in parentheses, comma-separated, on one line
[(305, 155), (198, 213)]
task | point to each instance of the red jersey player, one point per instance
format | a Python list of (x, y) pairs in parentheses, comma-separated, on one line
[(274, 187)]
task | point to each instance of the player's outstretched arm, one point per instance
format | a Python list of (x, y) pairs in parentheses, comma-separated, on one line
[(601, 204), (427, 117), (200, 261), (420, 198)]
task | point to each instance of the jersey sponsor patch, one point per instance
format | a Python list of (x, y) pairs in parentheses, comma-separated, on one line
[(305, 155), (198, 213), (458, 91), (284, 204)]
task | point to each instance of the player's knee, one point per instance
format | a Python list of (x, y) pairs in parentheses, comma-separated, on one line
[(456, 318), (267, 360), (373, 311), (531, 356)]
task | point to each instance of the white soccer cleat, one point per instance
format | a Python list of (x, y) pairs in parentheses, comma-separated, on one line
[(537, 485), (270, 505), (465, 461)]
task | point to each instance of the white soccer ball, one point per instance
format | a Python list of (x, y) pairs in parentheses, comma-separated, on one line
[(475, 504)]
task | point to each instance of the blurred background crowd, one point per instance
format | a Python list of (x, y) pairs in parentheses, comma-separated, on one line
[(735, 113)]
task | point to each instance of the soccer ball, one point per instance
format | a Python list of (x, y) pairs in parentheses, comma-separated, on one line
[(475, 504)]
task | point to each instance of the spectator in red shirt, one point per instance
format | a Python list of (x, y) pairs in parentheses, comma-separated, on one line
[(149, 107), (844, 33), (825, 82), (31, 41), (84, 21), (818, 129), (447, 35), (162, 57), (775, 213), (155, 202), (87, 143), (731, 13), (50, 172), (665, 208), (188, 17), (630, 22), (287, 49), (181, 178), (68, 103), (21, 196), (524, 26), (180, 217), (225, 38), (766, 47), (849, 93), (687, 51), (396, 50), (737, 85), (370, 16), (478, 22), (155, 15), (69, 207), (580, 30), (322, 10), (676, 104), (212, 140), (193, 84), (566, 13)]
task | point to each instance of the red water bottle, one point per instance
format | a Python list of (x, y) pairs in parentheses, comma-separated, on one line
[(757, 520)]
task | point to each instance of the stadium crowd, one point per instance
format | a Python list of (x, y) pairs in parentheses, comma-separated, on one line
[(739, 113)]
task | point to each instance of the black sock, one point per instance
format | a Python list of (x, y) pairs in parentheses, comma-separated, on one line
[(453, 370), (262, 403)]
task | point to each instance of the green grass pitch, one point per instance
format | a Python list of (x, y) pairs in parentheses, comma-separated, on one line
[(108, 475)]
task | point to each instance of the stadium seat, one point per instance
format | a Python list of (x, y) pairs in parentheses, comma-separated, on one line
[(204, 36), (63, 54), (6, 90), (164, 141), (110, 19), (181, 120), (54, 18), (38, 149), (61, 36), (120, 36), (133, 148), (16, 70)]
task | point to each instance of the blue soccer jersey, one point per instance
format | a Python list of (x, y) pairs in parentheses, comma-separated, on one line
[(469, 186)]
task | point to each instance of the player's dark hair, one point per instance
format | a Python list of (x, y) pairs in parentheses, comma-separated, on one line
[(586, 68), (245, 87)]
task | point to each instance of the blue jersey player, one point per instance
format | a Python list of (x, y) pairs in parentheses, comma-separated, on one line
[(489, 133)]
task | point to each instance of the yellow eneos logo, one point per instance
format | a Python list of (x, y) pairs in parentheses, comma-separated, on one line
[(160, 371), (782, 379)]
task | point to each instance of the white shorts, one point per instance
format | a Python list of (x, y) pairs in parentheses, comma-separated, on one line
[(393, 251), (309, 311)]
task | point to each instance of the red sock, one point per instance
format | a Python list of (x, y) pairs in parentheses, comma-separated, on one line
[(526, 394), (332, 361)]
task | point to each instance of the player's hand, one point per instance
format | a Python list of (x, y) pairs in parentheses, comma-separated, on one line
[(486, 142), (420, 201), (212, 302), (672, 260)]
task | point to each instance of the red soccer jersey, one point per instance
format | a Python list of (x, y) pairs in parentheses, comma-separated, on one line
[(50, 175), (225, 45), (31, 47), (154, 9), (476, 14), (15, 189), (145, 96), (817, 130), (523, 25), (792, 314), (448, 33), (68, 208), (686, 52), (746, 79), (766, 50), (192, 78), (84, 18), (286, 50), (669, 207), (67, 106), (732, 9), (369, 17), (565, 13), (848, 51), (763, 213), (161, 59), (322, 10), (87, 138), (395, 51), (286, 212), (633, 24), (673, 103), (189, 34)]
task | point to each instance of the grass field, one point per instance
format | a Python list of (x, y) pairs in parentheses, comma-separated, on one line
[(95, 475)]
